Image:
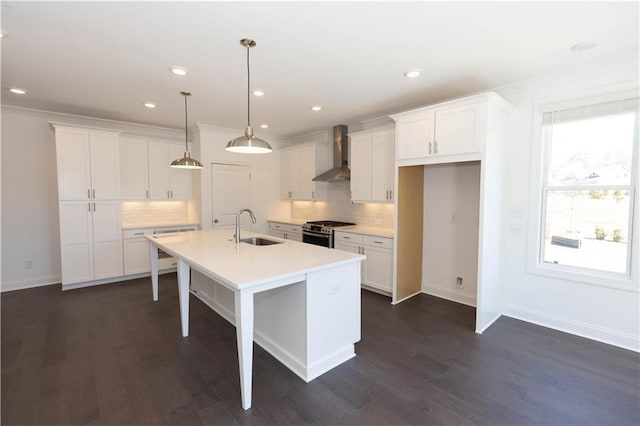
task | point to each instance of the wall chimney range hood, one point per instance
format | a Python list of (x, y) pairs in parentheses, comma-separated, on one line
[(340, 171)]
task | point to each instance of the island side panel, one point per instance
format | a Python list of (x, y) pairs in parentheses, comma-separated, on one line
[(333, 317)]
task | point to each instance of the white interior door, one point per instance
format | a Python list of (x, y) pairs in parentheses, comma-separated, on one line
[(230, 192)]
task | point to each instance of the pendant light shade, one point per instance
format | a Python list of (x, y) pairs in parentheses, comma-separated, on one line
[(248, 143), (186, 162)]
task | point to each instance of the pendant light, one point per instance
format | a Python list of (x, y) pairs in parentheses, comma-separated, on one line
[(248, 143), (186, 162)]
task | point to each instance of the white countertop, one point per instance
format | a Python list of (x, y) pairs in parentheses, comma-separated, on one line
[(243, 265), (367, 230)]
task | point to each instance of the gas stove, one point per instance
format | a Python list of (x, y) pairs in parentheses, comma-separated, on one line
[(320, 232)]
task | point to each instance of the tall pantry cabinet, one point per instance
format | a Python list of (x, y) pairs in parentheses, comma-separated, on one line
[(89, 203)]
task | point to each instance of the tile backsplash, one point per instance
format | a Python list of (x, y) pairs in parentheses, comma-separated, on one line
[(156, 213), (339, 207)]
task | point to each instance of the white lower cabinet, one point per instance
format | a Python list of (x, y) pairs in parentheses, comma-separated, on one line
[(136, 251), (285, 231), (91, 241), (377, 269)]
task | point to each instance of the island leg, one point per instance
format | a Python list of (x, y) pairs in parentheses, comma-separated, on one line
[(183, 294), (153, 254), (244, 336)]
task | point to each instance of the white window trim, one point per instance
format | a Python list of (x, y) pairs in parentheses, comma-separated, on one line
[(569, 273)]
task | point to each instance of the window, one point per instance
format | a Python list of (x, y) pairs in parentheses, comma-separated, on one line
[(588, 188)]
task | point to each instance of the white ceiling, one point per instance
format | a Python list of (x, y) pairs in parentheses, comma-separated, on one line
[(105, 59)]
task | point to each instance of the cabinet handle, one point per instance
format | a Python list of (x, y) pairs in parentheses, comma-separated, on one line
[(93, 191), (378, 242), (313, 194), (391, 194), (435, 147), (89, 206), (94, 207), (362, 250), (430, 148), (88, 193), (147, 192), (346, 238), (172, 194), (168, 194)]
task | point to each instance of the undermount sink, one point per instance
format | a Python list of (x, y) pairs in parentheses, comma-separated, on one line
[(257, 241)]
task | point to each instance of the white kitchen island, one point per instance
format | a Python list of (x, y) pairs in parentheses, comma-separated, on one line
[(305, 298)]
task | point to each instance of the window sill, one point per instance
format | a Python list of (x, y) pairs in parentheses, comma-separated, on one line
[(603, 279)]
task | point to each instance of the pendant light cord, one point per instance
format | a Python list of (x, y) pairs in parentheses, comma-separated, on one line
[(248, 90), (186, 146)]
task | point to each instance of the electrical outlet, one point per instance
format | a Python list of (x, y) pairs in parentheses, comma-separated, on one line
[(459, 282), (28, 264)]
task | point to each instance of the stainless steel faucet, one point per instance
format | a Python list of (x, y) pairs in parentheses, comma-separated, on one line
[(253, 219)]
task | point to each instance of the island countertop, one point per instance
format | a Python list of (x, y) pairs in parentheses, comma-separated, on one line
[(241, 266)]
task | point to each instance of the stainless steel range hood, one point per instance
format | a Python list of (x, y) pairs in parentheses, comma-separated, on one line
[(340, 171)]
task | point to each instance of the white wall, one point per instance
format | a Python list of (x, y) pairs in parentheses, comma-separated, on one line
[(450, 244), (209, 143), (597, 312)]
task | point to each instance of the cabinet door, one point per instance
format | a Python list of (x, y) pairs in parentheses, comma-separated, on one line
[(457, 130), (378, 268), (73, 158), (134, 169), (107, 239), (179, 179), (289, 173), (136, 256), (76, 241), (382, 166), (307, 169), (415, 136), (361, 171), (352, 248), (105, 173), (158, 171)]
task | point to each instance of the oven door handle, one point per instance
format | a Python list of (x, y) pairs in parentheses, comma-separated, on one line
[(316, 234)]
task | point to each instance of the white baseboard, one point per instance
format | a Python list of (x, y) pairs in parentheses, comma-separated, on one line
[(579, 328), (449, 294), (30, 283)]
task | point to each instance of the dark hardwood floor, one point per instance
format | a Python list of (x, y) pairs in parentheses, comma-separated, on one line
[(109, 355)]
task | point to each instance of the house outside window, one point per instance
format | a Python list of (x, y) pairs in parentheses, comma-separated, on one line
[(587, 191)]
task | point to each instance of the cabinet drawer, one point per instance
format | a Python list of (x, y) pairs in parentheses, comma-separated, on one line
[(293, 228), (277, 226), (136, 233), (378, 242), (348, 237)]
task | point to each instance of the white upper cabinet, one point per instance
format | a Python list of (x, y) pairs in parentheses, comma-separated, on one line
[(458, 129), (299, 165), (372, 165), (88, 163), (134, 169), (166, 183), (449, 132)]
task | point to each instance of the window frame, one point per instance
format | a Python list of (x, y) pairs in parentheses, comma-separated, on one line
[(540, 156)]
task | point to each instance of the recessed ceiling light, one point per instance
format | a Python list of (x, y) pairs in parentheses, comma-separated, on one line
[(179, 70), (17, 91), (150, 105), (264, 126), (412, 73), (258, 92), (583, 45), (317, 108)]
